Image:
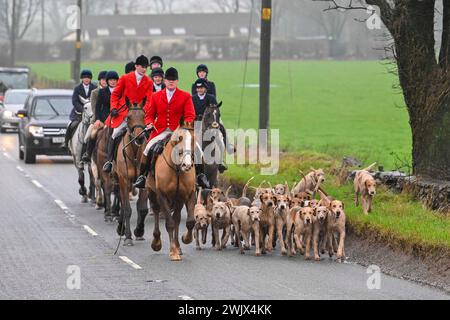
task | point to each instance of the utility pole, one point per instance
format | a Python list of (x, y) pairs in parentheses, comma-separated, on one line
[(77, 62), (43, 20), (264, 64)]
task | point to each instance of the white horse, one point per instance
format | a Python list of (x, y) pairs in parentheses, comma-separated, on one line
[(76, 146)]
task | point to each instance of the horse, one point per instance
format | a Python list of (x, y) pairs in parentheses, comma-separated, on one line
[(104, 184), (210, 126), (76, 146), (173, 187), (126, 165)]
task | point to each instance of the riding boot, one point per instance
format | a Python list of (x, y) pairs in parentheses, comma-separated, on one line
[(89, 149), (202, 180), (107, 167), (68, 135), (143, 171)]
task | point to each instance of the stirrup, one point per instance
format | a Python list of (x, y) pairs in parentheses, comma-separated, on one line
[(140, 182), (107, 167)]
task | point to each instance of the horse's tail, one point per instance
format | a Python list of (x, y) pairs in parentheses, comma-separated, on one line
[(244, 191)]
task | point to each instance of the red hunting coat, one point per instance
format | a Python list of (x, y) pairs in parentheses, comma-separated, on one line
[(127, 87), (168, 115)]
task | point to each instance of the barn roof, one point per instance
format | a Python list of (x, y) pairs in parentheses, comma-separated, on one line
[(192, 25)]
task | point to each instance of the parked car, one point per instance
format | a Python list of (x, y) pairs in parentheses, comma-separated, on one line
[(43, 123), (13, 102)]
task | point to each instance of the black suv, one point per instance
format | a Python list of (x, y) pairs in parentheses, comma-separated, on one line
[(43, 123)]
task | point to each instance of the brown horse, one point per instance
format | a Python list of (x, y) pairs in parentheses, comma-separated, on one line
[(125, 169), (173, 187), (103, 181)]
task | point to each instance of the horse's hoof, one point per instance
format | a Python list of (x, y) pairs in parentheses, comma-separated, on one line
[(175, 257), (84, 200), (180, 252), (98, 207), (128, 243), (156, 245), (108, 219), (140, 238), (187, 238)]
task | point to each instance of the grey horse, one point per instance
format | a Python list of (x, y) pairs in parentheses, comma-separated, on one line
[(76, 146)]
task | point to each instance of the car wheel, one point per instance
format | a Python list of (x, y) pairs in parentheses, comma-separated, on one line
[(30, 156), (21, 154)]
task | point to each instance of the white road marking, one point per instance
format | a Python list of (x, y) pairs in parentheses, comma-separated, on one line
[(61, 205), (131, 263), (20, 168), (90, 230), (185, 298), (37, 184)]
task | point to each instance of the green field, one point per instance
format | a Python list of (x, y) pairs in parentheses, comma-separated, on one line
[(337, 108)]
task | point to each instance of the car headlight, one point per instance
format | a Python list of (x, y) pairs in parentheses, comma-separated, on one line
[(7, 114), (36, 131)]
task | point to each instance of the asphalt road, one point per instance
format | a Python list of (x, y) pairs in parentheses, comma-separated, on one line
[(45, 230)]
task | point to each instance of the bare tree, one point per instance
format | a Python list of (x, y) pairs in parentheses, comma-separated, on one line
[(233, 5), (424, 74), (16, 16)]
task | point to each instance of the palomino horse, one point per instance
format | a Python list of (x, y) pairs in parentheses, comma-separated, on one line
[(173, 187), (75, 147), (125, 169), (213, 148), (104, 183)]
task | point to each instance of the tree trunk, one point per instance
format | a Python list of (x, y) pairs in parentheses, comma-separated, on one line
[(13, 35), (431, 145)]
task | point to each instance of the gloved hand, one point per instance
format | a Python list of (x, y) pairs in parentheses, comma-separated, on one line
[(150, 127), (114, 113)]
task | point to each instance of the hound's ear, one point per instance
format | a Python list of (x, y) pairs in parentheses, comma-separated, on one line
[(248, 211), (219, 105), (275, 199), (143, 102), (314, 212), (343, 206), (261, 197)]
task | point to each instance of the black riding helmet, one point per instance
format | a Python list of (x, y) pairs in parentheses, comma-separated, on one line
[(202, 67), (102, 75), (157, 59), (112, 75), (157, 72), (86, 74)]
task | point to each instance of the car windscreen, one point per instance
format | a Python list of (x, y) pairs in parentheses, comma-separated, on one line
[(14, 80), (13, 97), (52, 106)]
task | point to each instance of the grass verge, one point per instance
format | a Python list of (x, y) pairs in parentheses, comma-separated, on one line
[(397, 219)]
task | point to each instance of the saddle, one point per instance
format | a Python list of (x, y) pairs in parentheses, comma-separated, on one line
[(156, 150)]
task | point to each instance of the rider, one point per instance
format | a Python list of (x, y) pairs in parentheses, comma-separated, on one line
[(94, 96), (157, 76), (101, 110), (165, 111), (129, 67), (135, 86), (202, 73), (156, 62), (201, 100), (84, 90)]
